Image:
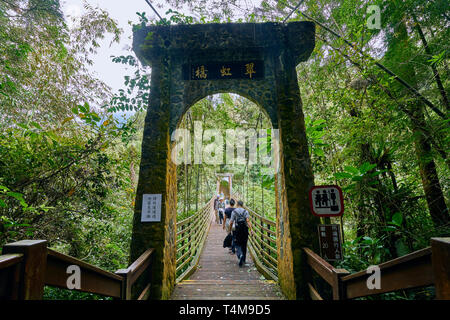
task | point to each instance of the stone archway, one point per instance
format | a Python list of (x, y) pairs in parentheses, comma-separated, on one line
[(256, 61)]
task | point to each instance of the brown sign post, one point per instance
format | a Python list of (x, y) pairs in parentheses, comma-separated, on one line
[(330, 242)]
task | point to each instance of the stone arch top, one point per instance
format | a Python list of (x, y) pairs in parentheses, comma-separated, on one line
[(180, 51)]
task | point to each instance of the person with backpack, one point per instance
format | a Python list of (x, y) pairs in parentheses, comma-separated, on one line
[(241, 221), (227, 225)]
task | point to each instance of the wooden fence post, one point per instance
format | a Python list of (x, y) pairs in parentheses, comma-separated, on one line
[(33, 267), (440, 260), (339, 292), (126, 285)]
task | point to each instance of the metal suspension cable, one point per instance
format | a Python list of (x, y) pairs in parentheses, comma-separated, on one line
[(293, 10), (148, 2)]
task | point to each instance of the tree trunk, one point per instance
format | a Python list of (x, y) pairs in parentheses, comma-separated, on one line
[(430, 180)]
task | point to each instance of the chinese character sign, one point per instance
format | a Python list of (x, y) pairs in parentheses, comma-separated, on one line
[(326, 201), (330, 241), (201, 72), (224, 70), (151, 208)]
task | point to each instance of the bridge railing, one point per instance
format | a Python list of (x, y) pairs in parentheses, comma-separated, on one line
[(27, 266), (262, 243), (426, 267), (191, 236)]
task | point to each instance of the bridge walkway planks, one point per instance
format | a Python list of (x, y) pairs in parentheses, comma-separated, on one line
[(218, 276)]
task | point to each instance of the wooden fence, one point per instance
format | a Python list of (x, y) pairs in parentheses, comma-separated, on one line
[(27, 266), (426, 267), (191, 236), (262, 245)]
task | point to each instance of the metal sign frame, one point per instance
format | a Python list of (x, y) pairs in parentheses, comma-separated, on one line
[(341, 198)]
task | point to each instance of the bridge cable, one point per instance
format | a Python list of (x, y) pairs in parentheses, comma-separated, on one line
[(293, 10), (148, 2)]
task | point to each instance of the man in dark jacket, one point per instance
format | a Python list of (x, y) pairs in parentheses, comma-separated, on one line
[(241, 220), (227, 224)]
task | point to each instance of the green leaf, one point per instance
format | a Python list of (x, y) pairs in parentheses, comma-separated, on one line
[(319, 152), (397, 219), (75, 110), (390, 228), (366, 166), (401, 247), (342, 175), (15, 195), (36, 125), (367, 240), (351, 169)]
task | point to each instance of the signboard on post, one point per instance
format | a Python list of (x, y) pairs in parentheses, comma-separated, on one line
[(151, 208), (224, 70), (330, 241), (326, 201)]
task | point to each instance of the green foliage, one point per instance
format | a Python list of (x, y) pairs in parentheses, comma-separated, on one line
[(67, 168), (51, 293), (315, 132), (364, 174)]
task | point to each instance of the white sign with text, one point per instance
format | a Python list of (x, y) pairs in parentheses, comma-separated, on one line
[(151, 208)]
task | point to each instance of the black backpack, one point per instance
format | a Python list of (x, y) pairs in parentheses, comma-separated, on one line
[(240, 219)]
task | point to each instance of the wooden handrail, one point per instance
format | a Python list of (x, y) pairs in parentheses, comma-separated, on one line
[(10, 260), (410, 271), (133, 272), (319, 265), (191, 236), (28, 265), (93, 279), (259, 217), (425, 267)]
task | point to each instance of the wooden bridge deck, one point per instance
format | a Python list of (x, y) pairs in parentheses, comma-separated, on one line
[(219, 277)]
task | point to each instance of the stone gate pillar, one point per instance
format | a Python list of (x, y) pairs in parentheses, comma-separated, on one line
[(294, 180), (157, 175)]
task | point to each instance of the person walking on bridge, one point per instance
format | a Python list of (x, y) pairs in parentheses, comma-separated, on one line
[(216, 208), (240, 219), (221, 210), (228, 226)]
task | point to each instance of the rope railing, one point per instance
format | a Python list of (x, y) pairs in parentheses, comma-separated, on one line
[(262, 243), (191, 236)]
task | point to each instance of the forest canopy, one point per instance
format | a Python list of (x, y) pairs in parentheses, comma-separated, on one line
[(376, 104)]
